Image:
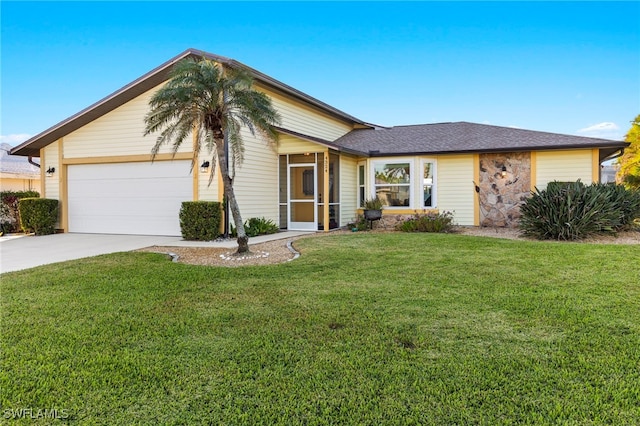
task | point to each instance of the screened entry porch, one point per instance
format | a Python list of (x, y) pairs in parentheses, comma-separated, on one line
[(309, 191)]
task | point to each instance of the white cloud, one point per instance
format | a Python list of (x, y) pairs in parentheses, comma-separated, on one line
[(14, 139), (607, 126), (605, 129)]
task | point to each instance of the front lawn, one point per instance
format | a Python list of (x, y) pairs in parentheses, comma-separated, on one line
[(364, 328)]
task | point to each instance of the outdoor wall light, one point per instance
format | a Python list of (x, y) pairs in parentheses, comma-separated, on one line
[(50, 171), (204, 167), (503, 173)]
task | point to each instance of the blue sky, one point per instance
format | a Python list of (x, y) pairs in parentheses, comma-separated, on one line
[(569, 68)]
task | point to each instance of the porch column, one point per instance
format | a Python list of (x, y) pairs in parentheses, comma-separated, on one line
[(325, 210)]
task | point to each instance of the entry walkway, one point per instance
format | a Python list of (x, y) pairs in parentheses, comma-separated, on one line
[(23, 252)]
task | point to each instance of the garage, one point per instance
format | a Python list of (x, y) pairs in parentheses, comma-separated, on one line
[(128, 198)]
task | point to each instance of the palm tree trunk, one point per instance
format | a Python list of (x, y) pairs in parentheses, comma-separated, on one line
[(243, 240)]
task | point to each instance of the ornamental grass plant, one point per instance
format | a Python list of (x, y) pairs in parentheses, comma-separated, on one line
[(573, 211)]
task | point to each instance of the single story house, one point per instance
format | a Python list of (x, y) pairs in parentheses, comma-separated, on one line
[(17, 173), (325, 164)]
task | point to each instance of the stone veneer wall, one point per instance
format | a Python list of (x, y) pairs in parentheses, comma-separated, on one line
[(389, 222), (501, 197)]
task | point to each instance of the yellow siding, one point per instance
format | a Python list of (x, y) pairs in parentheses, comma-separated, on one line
[(455, 190), (256, 180), (119, 132), (563, 166), (348, 189), (9, 182), (207, 192), (306, 120), (52, 184), (292, 145)]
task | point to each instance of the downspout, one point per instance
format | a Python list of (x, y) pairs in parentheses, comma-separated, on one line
[(30, 160), (611, 157)]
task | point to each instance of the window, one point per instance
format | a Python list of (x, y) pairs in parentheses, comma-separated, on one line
[(392, 183), (428, 184), (361, 185)]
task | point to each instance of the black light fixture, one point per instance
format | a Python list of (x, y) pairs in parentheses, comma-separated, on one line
[(503, 173), (204, 167), (50, 171)]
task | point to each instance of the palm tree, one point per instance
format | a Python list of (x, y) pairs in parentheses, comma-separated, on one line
[(213, 103)]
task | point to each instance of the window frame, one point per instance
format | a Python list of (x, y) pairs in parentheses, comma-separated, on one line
[(410, 184), (434, 183), (361, 186)]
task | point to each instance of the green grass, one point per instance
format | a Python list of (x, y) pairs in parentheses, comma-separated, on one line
[(364, 328)]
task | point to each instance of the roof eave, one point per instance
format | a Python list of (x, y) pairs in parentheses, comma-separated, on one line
[(374, 153)]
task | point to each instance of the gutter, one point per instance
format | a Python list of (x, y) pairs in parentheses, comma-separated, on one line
[(378, 153), (613, 156)]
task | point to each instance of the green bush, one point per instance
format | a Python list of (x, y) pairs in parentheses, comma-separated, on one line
[(200, 220), (257, 226), (360, 224), (572, 211), (260, 226), (38, 215), (430, 222), (9, 212)]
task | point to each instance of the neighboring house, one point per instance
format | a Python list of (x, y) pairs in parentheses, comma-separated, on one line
[(325, 164), (16, 173), (608, 173)]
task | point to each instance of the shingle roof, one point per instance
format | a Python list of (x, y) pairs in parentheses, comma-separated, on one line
[(461, 137), (16, 165), (372, 140)]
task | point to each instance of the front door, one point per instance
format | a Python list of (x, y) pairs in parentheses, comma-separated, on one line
[(302, 197)]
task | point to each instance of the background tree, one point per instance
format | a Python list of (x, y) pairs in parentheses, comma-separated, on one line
[(216, 103), (629, 173)]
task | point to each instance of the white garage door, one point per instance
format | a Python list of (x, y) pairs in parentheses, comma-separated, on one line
[(128, 198)]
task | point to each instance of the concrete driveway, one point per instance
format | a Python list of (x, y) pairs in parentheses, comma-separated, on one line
[(24, 252)]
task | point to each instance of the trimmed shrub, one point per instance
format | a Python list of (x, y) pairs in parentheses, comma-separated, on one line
[(9, 212), (260, 226), (200, 220), (430, 222), (38, 215), (573, 211), (257, 226)]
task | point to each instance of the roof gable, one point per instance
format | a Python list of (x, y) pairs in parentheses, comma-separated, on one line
[(150, 80)]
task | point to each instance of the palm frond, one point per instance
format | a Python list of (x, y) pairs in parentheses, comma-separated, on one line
[(202, 96)]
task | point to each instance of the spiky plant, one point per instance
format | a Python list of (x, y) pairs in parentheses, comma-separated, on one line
[(212, 102)]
